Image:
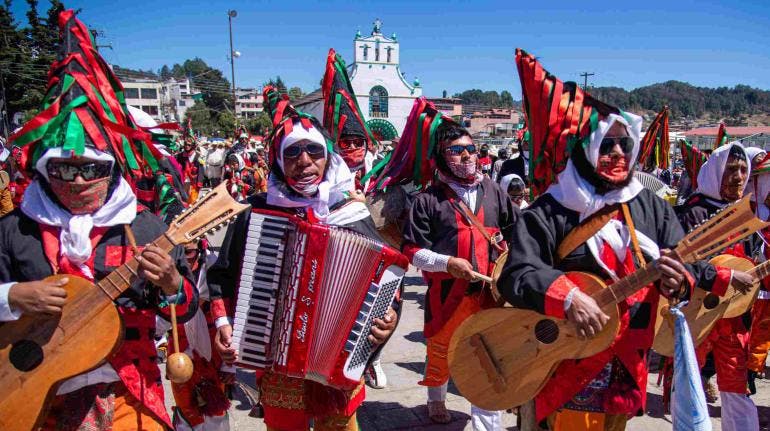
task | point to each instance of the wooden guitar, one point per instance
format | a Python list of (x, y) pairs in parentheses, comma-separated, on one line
[(38, 353), (704, 308), (502, 357)]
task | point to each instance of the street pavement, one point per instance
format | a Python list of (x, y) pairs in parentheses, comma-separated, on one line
[(401, 406)]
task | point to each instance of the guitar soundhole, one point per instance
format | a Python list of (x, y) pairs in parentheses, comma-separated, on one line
[(546, 331), (26, 355), (710, 301)]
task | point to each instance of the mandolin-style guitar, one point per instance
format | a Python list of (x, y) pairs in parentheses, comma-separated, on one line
[(502, 357), (38, 353), (704, 308)]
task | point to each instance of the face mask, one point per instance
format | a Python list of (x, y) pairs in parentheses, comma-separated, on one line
[(83, 198), (306, 187), (612, 168), (354, 158), (463, 170)]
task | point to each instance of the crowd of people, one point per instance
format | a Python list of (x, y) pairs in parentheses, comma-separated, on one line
[(88, 184)]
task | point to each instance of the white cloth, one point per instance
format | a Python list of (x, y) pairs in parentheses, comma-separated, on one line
[(486, 420), (103, 374), (7, 314), (196, 329), (710, 174), (738, 412), (467, 194), (4, 153), (76, 229), (210, 423), (506, 181), (428, 260), (338, 181)]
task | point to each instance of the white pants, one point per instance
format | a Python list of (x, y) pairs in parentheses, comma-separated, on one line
[(481, 420), (738, 412)]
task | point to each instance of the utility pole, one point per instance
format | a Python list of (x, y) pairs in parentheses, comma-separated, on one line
[(99, 33), (585, 76), (230, 15), (5, 125)]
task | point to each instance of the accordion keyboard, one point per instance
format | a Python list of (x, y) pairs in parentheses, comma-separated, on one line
[(262, 262)]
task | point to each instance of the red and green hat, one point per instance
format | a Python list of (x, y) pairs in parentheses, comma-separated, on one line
[(693, 159), (559, 116), (413, 159), (84, 106), (655, 144), (342, 115), (285, 117)]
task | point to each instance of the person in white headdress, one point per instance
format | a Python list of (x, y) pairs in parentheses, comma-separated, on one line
[(633, 227), (516, 190), (721, 181)]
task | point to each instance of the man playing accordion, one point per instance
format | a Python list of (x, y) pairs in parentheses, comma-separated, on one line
[(310, 181)]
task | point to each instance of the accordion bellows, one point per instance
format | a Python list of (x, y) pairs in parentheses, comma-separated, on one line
[(307, 297)]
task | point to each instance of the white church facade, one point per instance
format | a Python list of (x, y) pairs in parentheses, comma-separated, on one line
[(383, 93)]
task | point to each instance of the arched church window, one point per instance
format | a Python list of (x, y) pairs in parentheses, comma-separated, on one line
[(378, 102)]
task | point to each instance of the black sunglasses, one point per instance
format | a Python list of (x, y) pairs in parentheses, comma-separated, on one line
[(314, 150), (68, 172), (626, 144), (347, 143), (458, 149)]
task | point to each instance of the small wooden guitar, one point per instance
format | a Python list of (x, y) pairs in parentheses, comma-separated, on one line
[(501, 358), (704, 308), (38, 353)]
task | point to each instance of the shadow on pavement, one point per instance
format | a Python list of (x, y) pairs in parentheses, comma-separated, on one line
[(380, 416), (415, 337)]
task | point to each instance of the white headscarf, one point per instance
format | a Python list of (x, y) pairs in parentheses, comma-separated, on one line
[(506, 181), (710, 174), (4, 153), (338, 181), (576, 193), (74, 238)]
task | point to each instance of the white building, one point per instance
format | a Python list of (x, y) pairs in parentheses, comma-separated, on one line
[(176, 98), (248, 102), (383, 93), (144, 94)]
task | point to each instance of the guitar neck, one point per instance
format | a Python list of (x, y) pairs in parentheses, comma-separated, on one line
[(114, 284), (628, 285), (760, 271)]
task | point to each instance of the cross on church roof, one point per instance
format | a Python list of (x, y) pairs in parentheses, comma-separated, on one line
[(377, 27)]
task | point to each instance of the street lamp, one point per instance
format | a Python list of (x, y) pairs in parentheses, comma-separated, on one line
[(230, 15)]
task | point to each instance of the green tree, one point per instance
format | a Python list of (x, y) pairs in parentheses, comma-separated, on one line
[(278, 84), (260, 124), (506, 99), (200, 118), (227, 122), (295, 93)]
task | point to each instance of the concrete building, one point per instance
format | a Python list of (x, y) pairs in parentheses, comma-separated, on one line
[(704, 137), (248, 102), (177, 96), (141, 90), (494, 121), (449, 106)]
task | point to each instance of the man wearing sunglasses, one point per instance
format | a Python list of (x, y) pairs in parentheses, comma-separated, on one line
[(455, 227), (75, 220), (310, 181), (609, 387), (721, 181)]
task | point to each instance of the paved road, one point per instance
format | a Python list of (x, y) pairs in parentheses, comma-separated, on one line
[(401, 406)]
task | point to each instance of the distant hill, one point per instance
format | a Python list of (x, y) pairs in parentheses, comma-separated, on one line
[(687, 100)]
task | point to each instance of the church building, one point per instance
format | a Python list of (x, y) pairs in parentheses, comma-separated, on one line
[(383, 93)]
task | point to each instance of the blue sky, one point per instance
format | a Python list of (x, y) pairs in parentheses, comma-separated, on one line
[(449, 45)]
